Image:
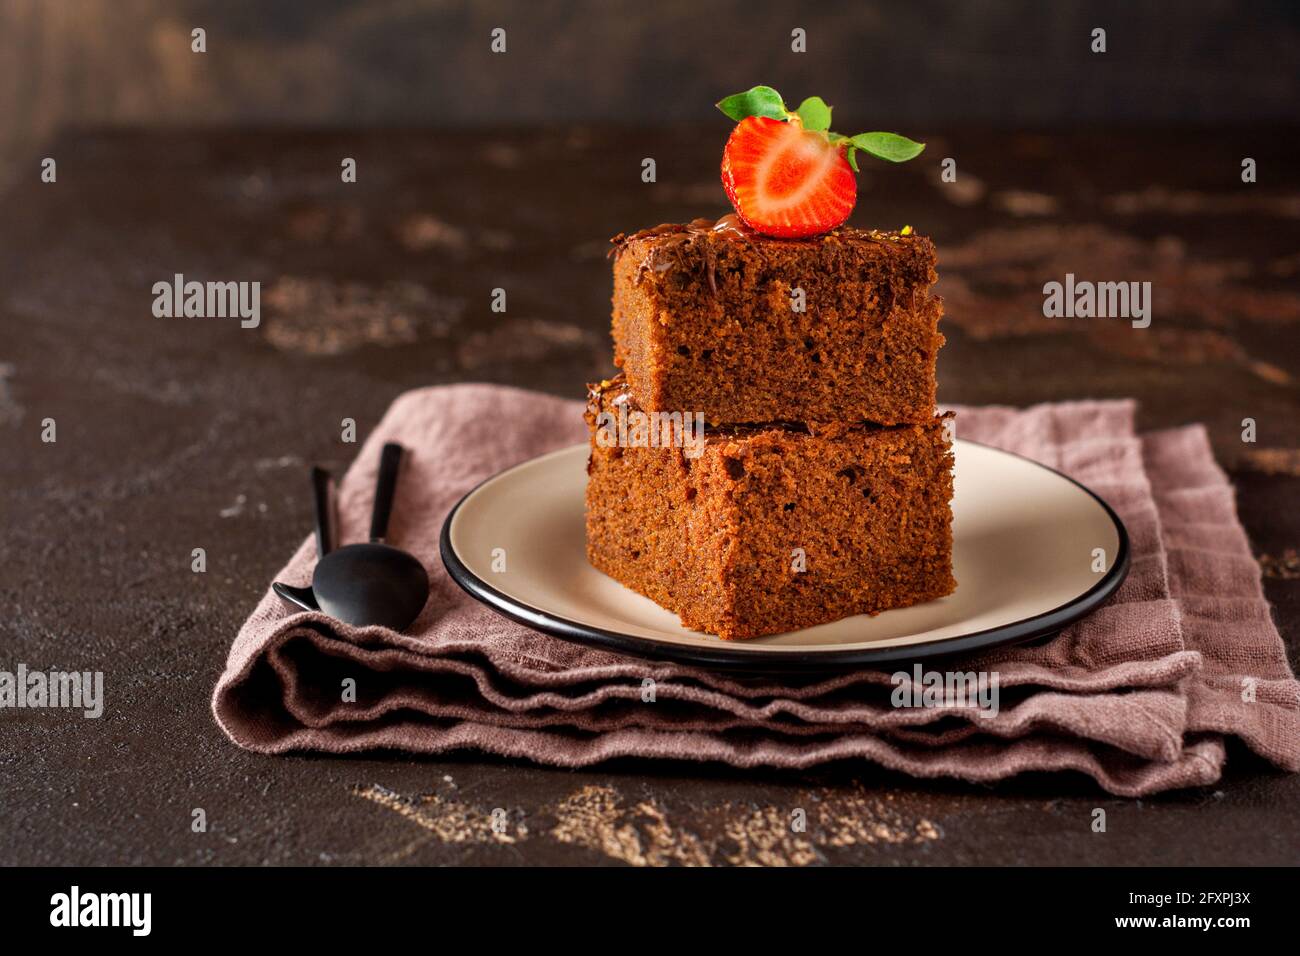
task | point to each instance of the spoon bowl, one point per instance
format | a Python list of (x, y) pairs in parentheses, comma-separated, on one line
[(362, 584), (371, 583)]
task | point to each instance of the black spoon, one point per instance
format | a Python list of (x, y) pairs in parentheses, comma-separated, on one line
[(372, 583)]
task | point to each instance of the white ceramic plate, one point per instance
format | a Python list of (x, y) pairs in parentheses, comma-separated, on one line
[(1023, 555)]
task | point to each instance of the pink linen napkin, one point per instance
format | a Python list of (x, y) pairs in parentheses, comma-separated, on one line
[(1140, 696)]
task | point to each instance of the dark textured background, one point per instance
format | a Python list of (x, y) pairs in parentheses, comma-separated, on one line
[(887, 65), (175, 434), (403, 61)]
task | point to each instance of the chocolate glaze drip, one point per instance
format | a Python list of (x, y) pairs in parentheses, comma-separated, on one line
[(728, 227), (676, 238), (662, 256)]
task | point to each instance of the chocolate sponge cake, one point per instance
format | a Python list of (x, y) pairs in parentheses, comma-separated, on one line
[(761, 529), (715, 318), (770, 457)]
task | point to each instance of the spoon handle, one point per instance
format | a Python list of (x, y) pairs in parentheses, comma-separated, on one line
[(389, 463), (321, 482)]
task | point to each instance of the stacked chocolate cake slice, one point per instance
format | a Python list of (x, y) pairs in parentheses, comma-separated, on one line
[(771, 457)]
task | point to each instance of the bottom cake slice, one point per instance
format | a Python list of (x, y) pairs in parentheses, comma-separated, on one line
[(759, 529)]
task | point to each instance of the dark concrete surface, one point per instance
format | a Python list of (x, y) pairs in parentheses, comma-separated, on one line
[(182, 433)]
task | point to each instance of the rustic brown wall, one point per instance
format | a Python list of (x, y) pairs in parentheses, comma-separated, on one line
[(331, 62)]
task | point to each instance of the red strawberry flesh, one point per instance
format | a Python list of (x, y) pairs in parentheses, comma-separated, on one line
[(786, 181)]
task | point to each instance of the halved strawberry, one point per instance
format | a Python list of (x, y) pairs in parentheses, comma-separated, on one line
[(786, 173), (785, 180)]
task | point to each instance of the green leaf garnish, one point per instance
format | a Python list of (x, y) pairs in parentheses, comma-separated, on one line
[(760, 101), (815, 114), (887, 146)]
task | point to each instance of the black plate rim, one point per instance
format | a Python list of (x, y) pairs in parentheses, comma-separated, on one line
[(725, 658)]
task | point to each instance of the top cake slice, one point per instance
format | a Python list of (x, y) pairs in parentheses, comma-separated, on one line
[(714, 318)]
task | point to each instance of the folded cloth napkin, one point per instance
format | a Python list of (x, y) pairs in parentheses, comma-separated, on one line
[(1140, 696)]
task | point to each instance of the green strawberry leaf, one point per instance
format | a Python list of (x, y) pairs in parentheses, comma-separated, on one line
[(760, 101), (815, 114), (888, 146), (852, 153)]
